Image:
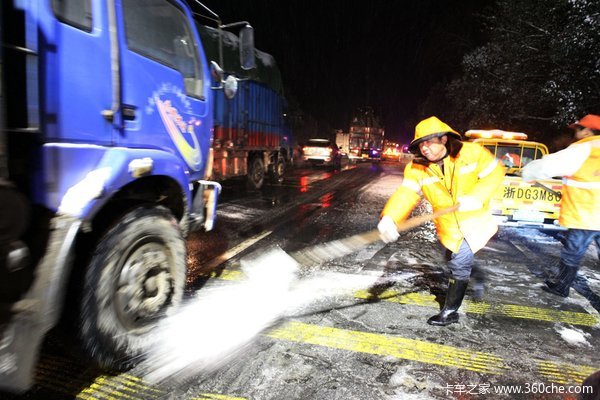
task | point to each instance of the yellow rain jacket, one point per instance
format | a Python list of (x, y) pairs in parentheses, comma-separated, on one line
[(473, 172)]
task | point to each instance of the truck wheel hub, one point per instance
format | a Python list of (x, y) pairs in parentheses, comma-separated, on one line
[(145, 285)]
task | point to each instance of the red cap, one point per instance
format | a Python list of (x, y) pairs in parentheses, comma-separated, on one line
[(589, 121)]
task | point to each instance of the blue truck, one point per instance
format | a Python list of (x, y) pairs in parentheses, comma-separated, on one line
[(105, 142), (251, 138)]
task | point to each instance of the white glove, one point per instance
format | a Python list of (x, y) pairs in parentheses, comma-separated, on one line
[(388, 230), (469, 203)]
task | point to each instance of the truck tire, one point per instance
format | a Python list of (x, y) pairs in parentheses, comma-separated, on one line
[(256, 173), (136, 276), (279, 171)]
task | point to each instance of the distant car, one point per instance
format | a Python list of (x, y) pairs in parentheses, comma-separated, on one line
[(322, 152), (375, 154)]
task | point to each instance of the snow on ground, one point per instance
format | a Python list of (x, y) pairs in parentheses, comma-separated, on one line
[(573, 336)]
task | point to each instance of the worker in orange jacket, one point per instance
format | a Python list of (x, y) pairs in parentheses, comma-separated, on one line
[(579, 165), (447, 171)]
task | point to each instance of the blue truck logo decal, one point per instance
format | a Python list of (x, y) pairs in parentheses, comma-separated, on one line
[(179, 122)]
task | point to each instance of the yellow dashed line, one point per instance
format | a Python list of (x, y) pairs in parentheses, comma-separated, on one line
[(384, 345), (50, 373), (104, 386), (506, 310), (96, 390), (136, 382), (564, 373), (119, 384)]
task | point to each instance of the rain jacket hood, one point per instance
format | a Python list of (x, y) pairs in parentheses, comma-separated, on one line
[(428, 129)]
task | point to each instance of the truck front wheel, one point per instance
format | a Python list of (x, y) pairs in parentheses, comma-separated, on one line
[(136, 277)]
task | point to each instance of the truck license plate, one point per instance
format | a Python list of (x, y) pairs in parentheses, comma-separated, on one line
[(529, 193)]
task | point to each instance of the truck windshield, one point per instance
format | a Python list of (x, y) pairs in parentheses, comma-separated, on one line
[(515, 156), (160, 31)]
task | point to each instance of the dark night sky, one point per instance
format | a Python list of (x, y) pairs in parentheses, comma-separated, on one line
[(336, 55)]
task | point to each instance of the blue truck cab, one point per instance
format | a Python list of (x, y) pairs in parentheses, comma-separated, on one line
[(107, 119)]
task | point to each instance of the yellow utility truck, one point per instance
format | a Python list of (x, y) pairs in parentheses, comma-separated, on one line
[(518, 203)]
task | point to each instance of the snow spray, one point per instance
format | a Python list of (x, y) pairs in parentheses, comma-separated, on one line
[(220, 322)]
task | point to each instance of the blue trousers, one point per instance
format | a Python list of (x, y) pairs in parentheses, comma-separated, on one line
[(461, 263), (576, 244)]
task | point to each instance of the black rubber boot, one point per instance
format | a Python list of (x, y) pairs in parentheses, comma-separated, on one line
[(563, 281), (454, 298)]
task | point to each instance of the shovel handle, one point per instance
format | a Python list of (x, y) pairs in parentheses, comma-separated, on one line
[(421, 219), (547, 189), (339, 248), (542, 186), (373, 236)]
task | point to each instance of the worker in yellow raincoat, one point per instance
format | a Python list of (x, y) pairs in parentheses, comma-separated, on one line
[(447, 171)]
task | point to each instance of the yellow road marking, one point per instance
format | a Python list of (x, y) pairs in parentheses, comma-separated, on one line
[(421, 351), (59, 374), (385, 345), (230, 275), (564, 373), (506, 310), (50, 372)]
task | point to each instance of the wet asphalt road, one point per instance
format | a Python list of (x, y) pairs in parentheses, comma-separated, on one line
[(354, 346)]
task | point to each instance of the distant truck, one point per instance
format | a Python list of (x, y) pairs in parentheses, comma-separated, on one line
[(366, 134), (518, 203), (343, 141), (251, 137), (105, 138)]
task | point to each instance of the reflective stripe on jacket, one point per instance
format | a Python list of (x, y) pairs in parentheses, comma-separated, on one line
[(580, 204), (473, 172)]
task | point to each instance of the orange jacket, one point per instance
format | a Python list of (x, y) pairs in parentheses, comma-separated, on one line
[(474, 172), (580, 204)]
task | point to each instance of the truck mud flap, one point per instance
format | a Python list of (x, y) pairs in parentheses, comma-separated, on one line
[(204, 206), (38, 311)]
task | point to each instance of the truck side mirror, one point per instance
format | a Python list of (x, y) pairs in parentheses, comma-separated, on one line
[(229, 84), (216, 72), (247, 59)]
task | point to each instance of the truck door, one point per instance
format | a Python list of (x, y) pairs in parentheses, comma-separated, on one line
[(165, 98), (74, 70)]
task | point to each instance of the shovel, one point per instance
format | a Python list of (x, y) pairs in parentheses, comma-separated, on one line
[(327, 251)]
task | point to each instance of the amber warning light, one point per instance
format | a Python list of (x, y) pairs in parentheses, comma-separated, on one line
[(494, 134)]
